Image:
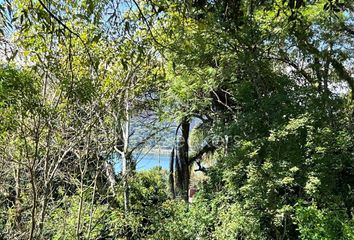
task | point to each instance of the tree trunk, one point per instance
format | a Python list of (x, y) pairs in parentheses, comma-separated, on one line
[(182, 163), (92, 203), (18, 195), (34, 204), (125, 182), (171, 177), (79, 211), (43, 210), (125, 157)]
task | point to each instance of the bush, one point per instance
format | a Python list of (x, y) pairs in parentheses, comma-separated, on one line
[(322, 224)]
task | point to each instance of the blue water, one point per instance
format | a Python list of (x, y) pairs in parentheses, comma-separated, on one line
[(147, 161)]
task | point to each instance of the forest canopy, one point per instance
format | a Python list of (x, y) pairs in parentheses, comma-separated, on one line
[(252, 99)]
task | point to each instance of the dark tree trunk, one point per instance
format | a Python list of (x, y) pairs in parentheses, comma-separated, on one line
[(171, 177), (182, 161)]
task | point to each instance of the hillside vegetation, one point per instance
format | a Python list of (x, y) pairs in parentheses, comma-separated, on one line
[(252, 99)]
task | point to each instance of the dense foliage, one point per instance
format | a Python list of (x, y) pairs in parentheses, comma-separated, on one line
[(252, 98)]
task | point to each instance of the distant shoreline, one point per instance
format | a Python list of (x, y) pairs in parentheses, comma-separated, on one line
[(157, 151)]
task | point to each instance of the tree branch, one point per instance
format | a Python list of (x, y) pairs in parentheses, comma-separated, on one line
[(51, 14), (206, 149)]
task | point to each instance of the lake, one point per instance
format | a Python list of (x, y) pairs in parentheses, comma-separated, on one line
[(147, 161)]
